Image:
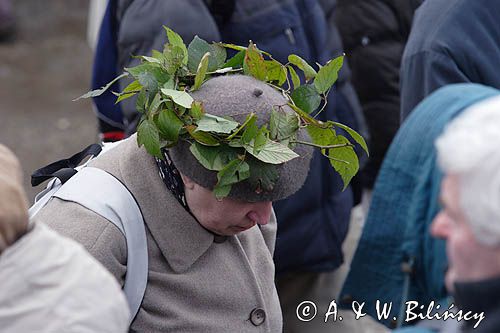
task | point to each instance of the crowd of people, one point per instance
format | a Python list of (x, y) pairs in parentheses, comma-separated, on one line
[(134, 242)]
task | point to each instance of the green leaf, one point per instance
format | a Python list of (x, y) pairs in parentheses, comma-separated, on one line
[(211, 123), (196, 111), (306, 97), (328, 74), (174, 57), (283, 125), (260, 141), (176, 40), (149, 75), (295, 77), (147, 135), (254, 63), (98, 92), (139, 69), (344, 160), (142, 101), (272, 152), (181, 98), (236, 61), (303, 115), (234, 172), (198, 47), (129, 91), (201, 72), (242, 126), (158, 55), (155, 104), (309, 72), (263, 176), (169, 125), (276, 72), (355, 135), (152, 60), (233, 46), (204, 138), (251, 130), (212, 158), (321, 136)]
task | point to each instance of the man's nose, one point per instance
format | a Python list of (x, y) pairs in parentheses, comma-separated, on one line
[(263, 210), (440, 226)]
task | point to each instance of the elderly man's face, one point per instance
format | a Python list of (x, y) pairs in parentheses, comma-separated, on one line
[(228, 216), (468, 260)]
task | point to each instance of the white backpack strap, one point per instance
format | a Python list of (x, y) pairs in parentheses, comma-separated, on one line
[(43, 197), (105, 195)]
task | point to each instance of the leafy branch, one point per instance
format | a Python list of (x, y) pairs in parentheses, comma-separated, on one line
[(237, 152)]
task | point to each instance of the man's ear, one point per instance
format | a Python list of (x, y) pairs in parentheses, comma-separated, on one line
[(188, 182)]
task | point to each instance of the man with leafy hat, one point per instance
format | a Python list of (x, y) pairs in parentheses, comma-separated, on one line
[(218, 149)]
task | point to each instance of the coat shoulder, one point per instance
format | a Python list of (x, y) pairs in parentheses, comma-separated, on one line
[(101, 238)]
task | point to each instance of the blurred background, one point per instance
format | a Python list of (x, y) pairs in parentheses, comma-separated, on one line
[(44, 65)]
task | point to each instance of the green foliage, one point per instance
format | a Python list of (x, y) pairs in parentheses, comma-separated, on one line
[(197, 49), (237, 152), (270, 151), (343, 159), (169, 125), (263, 176), (328, 74), (233, 172), (181, 98), (176, 40), (201, 72), (147, 135), (355, 135), (294, 76), (133, 88), (309, 72), (254, 63), (211, 123), (236, 61), (306, 98), (196, 111), (282, 125), (98, 92)]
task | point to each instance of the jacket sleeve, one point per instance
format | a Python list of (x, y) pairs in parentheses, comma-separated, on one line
[(101, 238), (424, 72)]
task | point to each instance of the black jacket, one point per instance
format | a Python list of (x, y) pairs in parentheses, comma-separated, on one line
[(374, 34)]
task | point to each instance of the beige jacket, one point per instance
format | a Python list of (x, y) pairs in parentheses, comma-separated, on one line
[(194, 283), (49, 283)]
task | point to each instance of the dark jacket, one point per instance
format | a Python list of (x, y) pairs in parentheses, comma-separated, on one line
[(313, 223), (451, 41), (374, 33)]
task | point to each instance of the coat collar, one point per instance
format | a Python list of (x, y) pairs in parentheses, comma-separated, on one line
[(180, 238)]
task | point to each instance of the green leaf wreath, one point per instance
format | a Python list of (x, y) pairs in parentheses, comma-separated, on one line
[(163, 81)]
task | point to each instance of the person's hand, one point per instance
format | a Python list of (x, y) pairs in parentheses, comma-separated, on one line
[(13, 203)]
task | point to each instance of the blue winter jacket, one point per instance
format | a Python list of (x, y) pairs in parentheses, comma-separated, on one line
[(397, 259)]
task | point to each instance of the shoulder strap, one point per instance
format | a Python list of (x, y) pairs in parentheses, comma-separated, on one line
[(105, 195)]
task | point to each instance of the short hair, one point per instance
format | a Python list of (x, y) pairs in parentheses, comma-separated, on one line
[(470, 149)]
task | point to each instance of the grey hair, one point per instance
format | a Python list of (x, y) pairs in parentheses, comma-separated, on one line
[(470, 149)]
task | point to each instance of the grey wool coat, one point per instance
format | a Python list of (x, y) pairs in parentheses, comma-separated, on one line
[(194, 284)]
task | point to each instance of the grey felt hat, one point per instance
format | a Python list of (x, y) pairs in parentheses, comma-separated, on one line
[(237, 96)]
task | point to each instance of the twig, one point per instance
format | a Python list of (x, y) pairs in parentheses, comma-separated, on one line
[(323, 147)]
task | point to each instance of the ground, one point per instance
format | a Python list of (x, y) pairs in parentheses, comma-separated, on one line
[(46, 66)]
